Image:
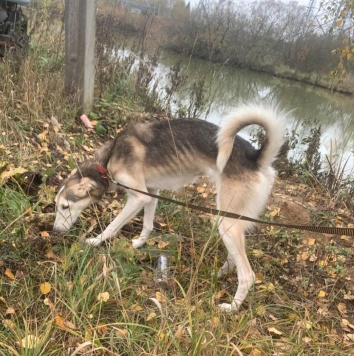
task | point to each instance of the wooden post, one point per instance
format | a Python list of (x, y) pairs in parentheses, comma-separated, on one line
[(80, 34)]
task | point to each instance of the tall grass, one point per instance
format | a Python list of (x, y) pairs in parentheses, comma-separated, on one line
[(61, 297)]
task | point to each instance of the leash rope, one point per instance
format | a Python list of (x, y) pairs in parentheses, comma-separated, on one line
[(321, 229)]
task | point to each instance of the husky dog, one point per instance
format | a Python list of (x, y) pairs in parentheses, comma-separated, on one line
[(170, 154)]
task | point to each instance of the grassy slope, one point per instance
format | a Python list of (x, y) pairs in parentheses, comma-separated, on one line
[(67, 298)]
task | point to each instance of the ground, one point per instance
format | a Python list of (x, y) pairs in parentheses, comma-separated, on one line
[(58, 293)]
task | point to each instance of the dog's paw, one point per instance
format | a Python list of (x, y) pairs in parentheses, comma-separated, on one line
[(228, 308), (95, 241), (138, 243)]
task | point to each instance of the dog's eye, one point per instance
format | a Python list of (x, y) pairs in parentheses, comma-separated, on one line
[(64, 207)]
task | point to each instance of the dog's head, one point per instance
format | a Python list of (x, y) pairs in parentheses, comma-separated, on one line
[(76, 194)]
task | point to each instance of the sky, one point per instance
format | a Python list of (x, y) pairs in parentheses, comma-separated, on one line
[(300, 2)]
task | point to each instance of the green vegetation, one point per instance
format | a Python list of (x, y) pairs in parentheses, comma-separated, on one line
[(283, 39), (61, 297)]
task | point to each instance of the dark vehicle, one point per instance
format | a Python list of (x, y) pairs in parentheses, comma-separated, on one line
[(13, 26)]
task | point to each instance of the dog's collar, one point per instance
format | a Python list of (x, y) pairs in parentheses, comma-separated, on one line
[(104, 173)]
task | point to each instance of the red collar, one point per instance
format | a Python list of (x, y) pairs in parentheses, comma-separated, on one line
[(104, 173)]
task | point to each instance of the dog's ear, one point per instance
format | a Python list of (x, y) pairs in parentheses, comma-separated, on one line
[(86, 185)]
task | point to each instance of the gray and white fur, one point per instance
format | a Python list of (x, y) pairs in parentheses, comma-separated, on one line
[(170, 154)]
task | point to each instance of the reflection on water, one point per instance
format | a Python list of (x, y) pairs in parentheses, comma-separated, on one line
[(227, 87)]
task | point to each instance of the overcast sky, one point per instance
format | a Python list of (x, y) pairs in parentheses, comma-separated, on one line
[(300, 2)]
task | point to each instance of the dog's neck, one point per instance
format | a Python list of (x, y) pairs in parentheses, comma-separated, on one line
[(104, 174)]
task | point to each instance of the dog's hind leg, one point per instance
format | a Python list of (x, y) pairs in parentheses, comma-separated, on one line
[(232, 233), (228, 266), (148, 225), (135, 203)]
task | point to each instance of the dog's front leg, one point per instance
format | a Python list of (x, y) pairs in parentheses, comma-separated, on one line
[(148, 225), (134, 204)]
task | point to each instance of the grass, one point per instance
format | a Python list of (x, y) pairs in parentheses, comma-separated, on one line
[(61, 297)]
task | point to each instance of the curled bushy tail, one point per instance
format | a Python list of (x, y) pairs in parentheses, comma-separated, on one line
[(270, 118)]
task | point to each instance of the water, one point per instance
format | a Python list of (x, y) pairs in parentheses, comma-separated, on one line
[(227, 86)]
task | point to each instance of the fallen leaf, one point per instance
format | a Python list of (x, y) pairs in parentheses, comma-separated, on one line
[(49, 303), (219, 294), (136, 307), (215, 321), (45, 234), (342, 309), (180, 331), (9, 274), (275, 331), (30, 342), (63, 323), (347, 323), (255, 352), (45, 288), (275, 212), (349, 337), (122, 332), (162, 244), (9, 324), (151, 316), (257, 253), (10, 310), (103, 297), (161, 297), (321, 294), (43, 136)]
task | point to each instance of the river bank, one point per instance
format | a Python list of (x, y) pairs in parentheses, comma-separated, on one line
[(60, 296)]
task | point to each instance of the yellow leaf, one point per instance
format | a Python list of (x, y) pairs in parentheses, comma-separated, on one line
[(9, 274), (255, 352), (45, 288), (9, 324), (136, 307), (347, 323), (63, 323), (349, 337), (10, 310), (44, 234), (275, 331), (180, 331), (103, 297), (215, 321), (122, 332), (151, 316), (200, 189), (342, 309), (94, 122), (5, 176), (161, 297), (162, 244), (275, 212), (338, 23), (321, 294), (304, 256), (49, 303), (30, 342), (311, 241), (43, 136), (257, 253), (219, 294)]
